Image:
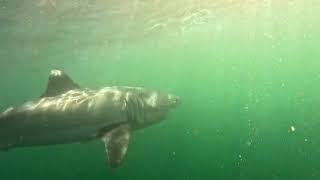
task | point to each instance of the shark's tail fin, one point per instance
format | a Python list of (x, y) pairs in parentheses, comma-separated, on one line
[(4, 148), (4, 144)]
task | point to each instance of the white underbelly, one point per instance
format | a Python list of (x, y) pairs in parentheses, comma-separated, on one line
[(34, 131), (16, 137)]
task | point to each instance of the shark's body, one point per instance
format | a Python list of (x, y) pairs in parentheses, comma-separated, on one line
[(66, 113)]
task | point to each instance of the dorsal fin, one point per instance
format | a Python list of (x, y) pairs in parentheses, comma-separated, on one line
[(58, 83)]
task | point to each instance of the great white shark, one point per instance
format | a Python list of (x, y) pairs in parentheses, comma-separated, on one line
[(66, 113)]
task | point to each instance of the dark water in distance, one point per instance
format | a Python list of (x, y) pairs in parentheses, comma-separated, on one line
[(247, 71)]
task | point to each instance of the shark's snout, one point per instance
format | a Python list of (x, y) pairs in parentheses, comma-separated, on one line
[(174, 100)]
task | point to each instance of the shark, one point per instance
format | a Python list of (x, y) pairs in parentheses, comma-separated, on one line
[(67, 113)]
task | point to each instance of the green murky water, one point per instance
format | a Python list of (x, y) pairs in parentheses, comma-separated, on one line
[(248, 73)]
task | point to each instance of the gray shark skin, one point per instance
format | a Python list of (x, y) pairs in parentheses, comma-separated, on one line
[(67, 113)]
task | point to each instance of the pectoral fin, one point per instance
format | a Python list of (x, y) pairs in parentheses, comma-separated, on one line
[(116, 143)]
